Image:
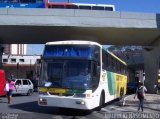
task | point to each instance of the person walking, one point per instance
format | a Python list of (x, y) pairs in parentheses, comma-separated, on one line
[(157, 87), (140, 93), (11, 88)]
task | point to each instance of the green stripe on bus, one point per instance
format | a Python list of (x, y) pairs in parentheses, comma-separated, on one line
[(111, 83)]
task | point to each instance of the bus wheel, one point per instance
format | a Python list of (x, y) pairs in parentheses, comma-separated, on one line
[(121, 93), (121, 97), (101, 102)]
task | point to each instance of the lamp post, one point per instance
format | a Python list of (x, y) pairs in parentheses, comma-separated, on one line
[(1, 53), (18, 70), (68, 1)]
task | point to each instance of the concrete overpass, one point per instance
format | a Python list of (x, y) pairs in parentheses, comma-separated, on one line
[(42, 25), (117, 28)]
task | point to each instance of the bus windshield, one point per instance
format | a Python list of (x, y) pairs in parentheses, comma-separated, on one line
[(66, 73), (68, 51)]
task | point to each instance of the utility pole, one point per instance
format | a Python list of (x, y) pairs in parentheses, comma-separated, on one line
[(1, 53), (18, 70), (68, 1)]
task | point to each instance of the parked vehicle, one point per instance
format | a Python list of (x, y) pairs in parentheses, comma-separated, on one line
[(23, 86), (2, 82), (131, 87)]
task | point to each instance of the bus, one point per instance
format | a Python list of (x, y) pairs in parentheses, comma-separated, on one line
[(83, 6), (22, 3), (54, 5), (80, 75)]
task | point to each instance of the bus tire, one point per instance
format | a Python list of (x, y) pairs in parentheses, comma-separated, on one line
[(101, 101), (121, 95)]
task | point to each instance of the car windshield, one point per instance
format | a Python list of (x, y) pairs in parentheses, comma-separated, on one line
[(66, 73)]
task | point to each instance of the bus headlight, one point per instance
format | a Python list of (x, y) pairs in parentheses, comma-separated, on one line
[(80, 102), (42, 101)]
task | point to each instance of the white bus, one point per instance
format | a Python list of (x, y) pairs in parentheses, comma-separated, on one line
[(80, 75)]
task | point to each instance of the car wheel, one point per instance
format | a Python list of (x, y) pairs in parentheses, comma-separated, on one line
[(29, 93)]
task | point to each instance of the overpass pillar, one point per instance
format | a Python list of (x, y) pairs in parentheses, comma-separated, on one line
[(1, 53), (151, 65)]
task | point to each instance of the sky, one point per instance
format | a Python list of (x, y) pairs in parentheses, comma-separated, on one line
[(145, 6)]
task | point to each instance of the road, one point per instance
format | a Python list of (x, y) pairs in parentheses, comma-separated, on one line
[(26, 107)]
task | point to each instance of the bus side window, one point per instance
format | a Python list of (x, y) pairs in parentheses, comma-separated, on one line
[(71, 7), (58, 6), (97, 8), (109, 62), (109, 8), (103, 66), (85, 7)]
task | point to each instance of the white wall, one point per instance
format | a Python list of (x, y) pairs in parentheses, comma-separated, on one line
[(14, 49), (22, 49)]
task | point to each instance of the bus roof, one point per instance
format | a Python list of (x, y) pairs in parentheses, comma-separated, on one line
[(71, 42), (84, 4), (60, 3)]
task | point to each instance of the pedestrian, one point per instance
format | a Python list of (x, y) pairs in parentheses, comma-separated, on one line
[(11, 88), (140, 93), (158, 88)]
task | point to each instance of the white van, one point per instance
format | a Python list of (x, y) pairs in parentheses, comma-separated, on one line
[(23, 86)]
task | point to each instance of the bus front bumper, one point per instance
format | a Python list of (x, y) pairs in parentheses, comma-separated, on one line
[(67, 102)]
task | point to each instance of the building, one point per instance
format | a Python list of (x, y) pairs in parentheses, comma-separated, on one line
[(21, 66), (18, 49)]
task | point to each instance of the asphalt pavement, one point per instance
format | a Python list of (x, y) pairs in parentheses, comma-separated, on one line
[(26, 107), (152, 102)]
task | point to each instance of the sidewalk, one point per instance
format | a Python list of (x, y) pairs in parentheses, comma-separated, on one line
[(152, 101)]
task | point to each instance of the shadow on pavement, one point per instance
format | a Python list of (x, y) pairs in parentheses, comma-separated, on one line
[(147, 107), (3, 101), (152, 108), (145, 101), (35, 108)]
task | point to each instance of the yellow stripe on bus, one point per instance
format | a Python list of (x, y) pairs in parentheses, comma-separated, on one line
[(53, 90), (116, 57)]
